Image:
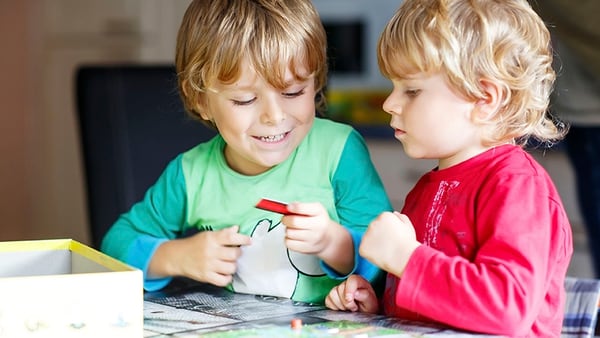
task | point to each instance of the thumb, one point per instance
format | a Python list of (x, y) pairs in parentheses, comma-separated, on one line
[(361, 295), (402, 217)]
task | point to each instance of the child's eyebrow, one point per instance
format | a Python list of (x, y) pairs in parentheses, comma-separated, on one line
[(233, 87), (297, 80)]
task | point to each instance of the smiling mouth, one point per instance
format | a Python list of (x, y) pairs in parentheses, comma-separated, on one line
[(273, 138)]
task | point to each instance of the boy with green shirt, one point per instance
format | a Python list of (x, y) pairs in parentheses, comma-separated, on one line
[(255, 71)]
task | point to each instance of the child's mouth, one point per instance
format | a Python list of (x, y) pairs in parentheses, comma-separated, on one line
[(273, 138)]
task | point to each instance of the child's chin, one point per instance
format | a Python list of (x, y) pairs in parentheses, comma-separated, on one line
[(409, 151)]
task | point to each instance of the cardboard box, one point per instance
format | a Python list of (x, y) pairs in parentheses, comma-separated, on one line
[(62, 288)]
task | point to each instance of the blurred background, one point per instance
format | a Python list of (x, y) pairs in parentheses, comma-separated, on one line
[(44, 41)]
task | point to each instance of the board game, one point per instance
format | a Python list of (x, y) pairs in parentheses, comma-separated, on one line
[(323, 329), (194, 310)]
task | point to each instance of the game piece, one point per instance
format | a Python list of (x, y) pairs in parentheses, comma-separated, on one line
[(274, 206), (296, 324)]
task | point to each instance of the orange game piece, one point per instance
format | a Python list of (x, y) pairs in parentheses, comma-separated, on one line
[(296, 324)]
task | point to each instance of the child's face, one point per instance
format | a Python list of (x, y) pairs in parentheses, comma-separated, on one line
[(432, 121), (261, 125)]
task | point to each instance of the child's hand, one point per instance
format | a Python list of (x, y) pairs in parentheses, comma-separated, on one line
[(354, 294), (389, 242), (208, 256), (309, 230), (212, 255)]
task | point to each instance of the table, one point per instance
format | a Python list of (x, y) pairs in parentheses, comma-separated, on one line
[(190, 309)]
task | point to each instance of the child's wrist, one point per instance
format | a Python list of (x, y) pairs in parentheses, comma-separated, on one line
[(403, 253), (339, 240)]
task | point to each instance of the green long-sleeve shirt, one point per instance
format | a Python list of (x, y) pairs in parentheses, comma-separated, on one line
[(199, 192)]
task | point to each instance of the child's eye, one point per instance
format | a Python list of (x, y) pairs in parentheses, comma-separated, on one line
[(293, 94), (243, 103), (412, 92)]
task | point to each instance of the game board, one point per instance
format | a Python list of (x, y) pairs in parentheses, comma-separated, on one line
[(189, 309), (324, 329)]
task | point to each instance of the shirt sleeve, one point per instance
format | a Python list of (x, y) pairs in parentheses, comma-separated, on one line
[(359, 197), (159, 217)]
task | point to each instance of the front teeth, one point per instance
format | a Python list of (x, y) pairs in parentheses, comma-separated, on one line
[(272, 138)]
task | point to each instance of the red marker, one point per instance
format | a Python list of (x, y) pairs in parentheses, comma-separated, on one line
[(274, 206)]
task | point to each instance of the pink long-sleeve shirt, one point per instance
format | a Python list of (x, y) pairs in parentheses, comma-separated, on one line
[(497, 245)]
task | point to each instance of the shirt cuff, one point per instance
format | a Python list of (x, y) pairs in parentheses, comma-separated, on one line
[(139, 256)]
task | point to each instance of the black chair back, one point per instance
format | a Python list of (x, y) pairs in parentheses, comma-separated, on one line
[(132, 123)]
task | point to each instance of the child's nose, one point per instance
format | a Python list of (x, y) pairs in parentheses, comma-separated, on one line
[(273, 112), (391, 105)]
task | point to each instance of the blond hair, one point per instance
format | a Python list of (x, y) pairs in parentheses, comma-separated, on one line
[(504, 41), (216, 36)]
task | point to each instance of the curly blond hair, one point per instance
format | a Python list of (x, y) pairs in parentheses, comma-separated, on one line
[(216, 36), (504, 41)]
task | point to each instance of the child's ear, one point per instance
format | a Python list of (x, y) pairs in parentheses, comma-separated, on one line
[(204, 114), (201, 108), (494, 99)]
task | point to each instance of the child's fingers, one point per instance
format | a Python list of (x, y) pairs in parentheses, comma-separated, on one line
[(360, 295), (336, 299), (218, 279), (231, 237), (402, 217), (333, 301), (306, 209)]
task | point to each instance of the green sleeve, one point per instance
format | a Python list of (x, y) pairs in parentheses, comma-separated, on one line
[(160, 216), (359, 191), (360, 198)]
